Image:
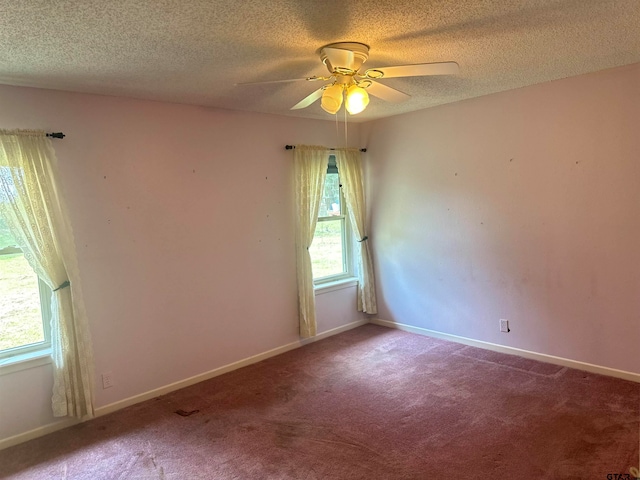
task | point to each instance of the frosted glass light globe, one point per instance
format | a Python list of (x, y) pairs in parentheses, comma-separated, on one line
[(357, 99), (332, 99)]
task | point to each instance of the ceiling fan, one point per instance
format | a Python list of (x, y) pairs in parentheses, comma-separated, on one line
[(346, 81)]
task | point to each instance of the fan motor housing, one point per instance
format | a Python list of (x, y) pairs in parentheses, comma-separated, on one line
[(360, 55)]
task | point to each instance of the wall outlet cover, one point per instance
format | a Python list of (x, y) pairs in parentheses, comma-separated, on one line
[(107, 380)]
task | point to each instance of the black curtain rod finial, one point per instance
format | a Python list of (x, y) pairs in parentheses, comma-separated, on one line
[(56, 135)]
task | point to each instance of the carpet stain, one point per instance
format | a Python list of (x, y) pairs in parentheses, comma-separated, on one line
[(286, 392)]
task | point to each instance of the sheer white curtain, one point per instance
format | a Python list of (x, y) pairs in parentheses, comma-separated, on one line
[(310, 170), (349, 164), (32, 206)]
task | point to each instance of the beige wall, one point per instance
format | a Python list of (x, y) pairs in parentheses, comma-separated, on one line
[(183, 219), (523, 205)]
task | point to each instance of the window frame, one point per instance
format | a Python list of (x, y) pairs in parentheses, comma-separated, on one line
[(35, 350), (347, 250)]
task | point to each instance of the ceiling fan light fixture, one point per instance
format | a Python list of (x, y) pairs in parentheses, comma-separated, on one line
[(349, 85), (357, 99), (332, 99)]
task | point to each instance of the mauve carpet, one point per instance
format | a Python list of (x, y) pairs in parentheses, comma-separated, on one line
[(371, 403)]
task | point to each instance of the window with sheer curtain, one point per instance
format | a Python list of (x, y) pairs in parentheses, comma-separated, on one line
[(25, 304), (32, 208), (316, 202), (331, 247)]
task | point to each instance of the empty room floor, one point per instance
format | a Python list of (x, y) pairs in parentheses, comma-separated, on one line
[(370, 403)]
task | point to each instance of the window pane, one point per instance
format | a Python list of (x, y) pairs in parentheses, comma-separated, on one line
[(330, 204), (326, 249), (20, 314), (6, 239)]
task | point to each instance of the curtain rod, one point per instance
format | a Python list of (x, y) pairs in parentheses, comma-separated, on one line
[(56, 135), (292, 147)]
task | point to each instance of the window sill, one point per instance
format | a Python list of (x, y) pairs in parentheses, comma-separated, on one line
[(25, 361), (335, 285)]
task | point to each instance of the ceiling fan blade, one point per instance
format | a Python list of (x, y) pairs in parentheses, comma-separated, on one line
[(308, 100), (338, 57), (421, 69), (387, 93), (308, 79), (271, 81)]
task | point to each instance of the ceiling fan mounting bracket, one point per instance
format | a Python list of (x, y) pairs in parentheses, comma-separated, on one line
[(344, 71), (316, 78), (374, 73)]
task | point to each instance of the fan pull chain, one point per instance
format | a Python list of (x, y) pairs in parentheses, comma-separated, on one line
[(345, 128)]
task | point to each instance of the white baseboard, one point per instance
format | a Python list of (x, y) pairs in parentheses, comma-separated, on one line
[(112, 407), (38, 432), (565, 362)]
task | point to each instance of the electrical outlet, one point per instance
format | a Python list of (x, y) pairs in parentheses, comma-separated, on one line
[(107, 380), (504, 326)]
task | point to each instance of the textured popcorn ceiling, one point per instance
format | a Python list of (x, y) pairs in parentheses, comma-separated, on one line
[(194, 51)]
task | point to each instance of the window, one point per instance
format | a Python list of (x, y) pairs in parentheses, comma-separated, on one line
[(330, 250), (24, 303)]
